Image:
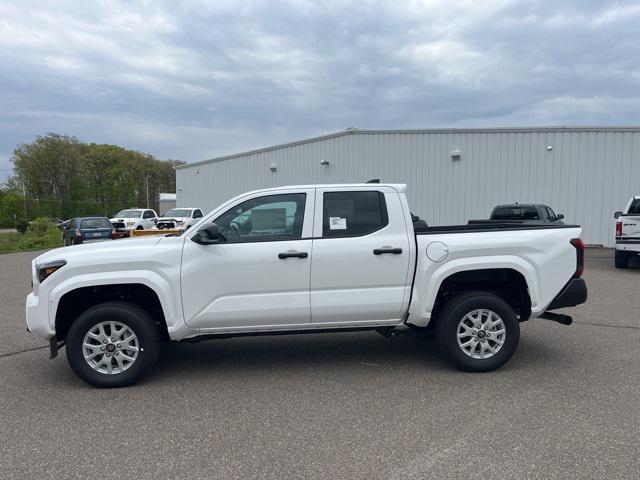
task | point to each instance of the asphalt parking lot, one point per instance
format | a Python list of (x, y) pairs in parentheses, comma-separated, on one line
[(352, 405)]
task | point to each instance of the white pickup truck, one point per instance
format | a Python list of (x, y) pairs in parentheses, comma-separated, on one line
[(628, 233), (321, 258)]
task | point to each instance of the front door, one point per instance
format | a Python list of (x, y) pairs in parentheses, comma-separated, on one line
[(258, 276), (360, 256)]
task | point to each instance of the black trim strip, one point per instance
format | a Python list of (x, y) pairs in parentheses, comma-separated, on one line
[(473, 228), (627, 242)]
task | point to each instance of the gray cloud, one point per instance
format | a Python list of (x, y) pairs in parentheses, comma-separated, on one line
[(193, 80)]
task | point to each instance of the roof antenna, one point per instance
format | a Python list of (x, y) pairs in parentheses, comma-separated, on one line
[(373, 180)]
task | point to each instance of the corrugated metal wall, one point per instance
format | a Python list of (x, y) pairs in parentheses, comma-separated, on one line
[(587, 175)]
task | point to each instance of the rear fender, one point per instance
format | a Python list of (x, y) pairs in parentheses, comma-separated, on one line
[(427, 285)]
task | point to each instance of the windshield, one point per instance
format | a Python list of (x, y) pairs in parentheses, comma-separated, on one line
[(178, 212), (128, 214), (515, 212), (95, 223)]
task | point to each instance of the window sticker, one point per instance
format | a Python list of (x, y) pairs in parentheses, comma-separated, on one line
[(337, 223)]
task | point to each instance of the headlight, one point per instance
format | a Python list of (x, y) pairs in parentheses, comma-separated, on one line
[(48, 268)]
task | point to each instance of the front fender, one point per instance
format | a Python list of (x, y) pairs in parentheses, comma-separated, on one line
[(169, 301)]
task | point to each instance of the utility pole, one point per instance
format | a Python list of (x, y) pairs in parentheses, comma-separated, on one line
[(147, 178), (24, 198)]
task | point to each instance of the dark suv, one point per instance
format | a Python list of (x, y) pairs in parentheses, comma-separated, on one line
[(529, 213), (87, 229), (532, 213)]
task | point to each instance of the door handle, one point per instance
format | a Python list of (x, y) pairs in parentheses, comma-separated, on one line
[(285, 255), (383, 250)]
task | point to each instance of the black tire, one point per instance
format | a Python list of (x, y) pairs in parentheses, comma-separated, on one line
[(448, 324), (622, 259), (135, 319)]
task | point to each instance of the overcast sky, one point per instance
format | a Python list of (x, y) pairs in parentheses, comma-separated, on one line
[(193, 80)]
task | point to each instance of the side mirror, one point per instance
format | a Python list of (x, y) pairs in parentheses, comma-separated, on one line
[(617, 215), (559, 216), (208, 235), (155, 220)]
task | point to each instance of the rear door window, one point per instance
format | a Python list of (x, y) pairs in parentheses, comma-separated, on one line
[(353, 214), (634, 208)]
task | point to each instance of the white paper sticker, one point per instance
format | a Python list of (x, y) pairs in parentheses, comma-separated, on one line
[(337, 223)]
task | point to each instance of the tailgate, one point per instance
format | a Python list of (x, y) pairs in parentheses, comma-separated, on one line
[(630, 226)]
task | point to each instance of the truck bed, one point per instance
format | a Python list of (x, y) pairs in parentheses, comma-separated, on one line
[(485, 226)]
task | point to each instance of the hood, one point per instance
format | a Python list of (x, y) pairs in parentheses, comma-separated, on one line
[(127, 247)]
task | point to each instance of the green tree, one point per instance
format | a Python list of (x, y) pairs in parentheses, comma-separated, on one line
[(63, 177), (11, 208)]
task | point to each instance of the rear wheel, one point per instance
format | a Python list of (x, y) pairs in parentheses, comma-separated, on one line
[(113, 344), (622, 259), (478, 332)]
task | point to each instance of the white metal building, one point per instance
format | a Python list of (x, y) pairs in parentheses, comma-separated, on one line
[(452, 174), (167, 202)]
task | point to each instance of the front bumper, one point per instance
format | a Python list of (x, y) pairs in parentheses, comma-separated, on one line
[(574, 293), (38, 318)]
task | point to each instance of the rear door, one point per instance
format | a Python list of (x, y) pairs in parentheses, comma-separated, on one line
[(361, 255)]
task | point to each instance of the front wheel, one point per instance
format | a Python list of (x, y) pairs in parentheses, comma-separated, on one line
[(113, 344), (478, 332)]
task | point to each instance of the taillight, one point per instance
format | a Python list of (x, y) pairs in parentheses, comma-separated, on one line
[(618, 229), (577, 243)]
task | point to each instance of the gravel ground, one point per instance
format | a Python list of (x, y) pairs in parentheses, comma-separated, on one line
[(352, 405)]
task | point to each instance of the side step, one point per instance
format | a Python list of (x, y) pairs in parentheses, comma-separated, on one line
[(557, 317)]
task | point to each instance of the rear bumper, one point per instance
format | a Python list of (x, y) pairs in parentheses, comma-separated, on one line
[(574, 293), (628, 245)]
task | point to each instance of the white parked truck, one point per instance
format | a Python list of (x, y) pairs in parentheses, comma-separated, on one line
[(319, 258), (628, 233), (181, 218), (135, 219)]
